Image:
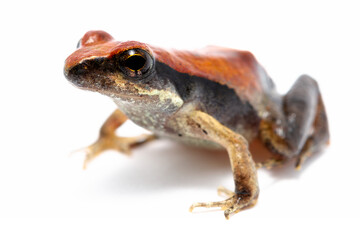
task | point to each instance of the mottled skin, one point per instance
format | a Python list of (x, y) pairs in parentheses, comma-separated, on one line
[(214, 97)]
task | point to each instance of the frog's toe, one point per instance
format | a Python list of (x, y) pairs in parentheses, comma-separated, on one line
[(222, 191), (222, 204), (238, 206), (94, 150), (234, 204)]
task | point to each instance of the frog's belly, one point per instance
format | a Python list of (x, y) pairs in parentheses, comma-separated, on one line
[(191, 141)]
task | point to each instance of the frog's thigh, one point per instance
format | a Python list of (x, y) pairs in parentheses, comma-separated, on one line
[(243, 167), (108, 139), (305, 127)]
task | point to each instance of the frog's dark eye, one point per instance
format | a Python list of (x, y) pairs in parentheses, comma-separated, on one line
[(136, 63)]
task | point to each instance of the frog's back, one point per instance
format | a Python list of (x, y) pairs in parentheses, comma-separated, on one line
[(238, 70), (227, 84)]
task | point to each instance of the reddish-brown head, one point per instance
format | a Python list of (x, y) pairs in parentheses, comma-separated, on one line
[(111, 67), (100, 44)]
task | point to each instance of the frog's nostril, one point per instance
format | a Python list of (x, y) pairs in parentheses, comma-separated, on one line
[(95, 37)]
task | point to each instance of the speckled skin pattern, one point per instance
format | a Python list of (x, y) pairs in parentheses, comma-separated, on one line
[(214, 97)]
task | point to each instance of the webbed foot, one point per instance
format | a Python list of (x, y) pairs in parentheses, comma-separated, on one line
[(113, 142), (234, 204)]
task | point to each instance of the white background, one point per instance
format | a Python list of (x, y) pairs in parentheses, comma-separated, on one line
[(44, 192)]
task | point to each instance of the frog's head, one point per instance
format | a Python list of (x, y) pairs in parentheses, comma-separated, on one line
[(124, 71)]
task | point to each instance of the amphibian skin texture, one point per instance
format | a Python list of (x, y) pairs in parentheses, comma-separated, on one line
[(214, 97)]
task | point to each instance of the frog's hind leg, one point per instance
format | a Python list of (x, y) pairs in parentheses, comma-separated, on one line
[(303, 130), (108, 140), (319, 136)]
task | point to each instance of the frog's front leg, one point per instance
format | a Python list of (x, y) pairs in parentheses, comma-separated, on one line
[(243, 167), (108, 140)]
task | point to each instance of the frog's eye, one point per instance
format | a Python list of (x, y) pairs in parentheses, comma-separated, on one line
[(136, 63)]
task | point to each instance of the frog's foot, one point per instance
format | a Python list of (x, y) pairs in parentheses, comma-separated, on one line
[(234, 204), (113, 142), (270, 163)]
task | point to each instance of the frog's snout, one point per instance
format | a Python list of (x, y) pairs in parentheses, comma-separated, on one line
[(89, 75), (80, 74), (77, 63), (76, 74)]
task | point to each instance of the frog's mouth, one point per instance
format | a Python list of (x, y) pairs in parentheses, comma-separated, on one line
[(82, 78), (104, 81)]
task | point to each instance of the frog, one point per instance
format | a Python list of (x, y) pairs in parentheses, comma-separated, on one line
[(214, 97)]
